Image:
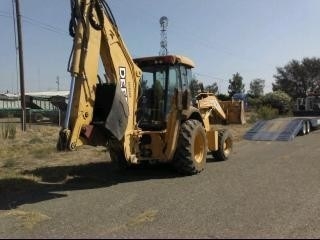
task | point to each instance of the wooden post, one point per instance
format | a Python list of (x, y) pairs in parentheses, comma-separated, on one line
[(22, 92)]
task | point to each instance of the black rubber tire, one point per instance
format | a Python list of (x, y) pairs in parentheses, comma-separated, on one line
[(308, 127), (225, 145), (61, 144), (116, 152), (191, 153), (303, 130), (38, 117)]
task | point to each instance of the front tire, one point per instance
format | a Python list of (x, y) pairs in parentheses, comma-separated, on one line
[(303, 130), (191, 153)]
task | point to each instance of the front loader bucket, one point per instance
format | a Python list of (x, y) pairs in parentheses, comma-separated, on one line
[(234, 111), (223, 111)]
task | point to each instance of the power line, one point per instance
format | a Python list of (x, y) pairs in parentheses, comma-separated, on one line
[(206, 75), (200, 41), (4, 12), (44, 26), (212, 78), (5, 15), (37, 23)]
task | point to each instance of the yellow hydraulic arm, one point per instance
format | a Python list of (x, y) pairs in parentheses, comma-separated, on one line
[(96, 37)]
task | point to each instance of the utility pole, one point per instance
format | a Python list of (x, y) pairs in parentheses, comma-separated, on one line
[(22, 92)]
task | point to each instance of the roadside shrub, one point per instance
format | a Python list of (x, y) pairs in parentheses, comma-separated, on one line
[(254, 102), (267, 113), (252, 118), (278, 100)]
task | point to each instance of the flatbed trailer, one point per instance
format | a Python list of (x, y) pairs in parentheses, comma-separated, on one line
[(282, 129)]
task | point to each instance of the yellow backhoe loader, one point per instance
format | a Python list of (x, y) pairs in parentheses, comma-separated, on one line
[(141, 109)]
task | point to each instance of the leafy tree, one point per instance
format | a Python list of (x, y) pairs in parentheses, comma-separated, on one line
[(213, 88), (256, 87), (223, 97), (195, 87), (278, 100), (297, 79), (235, 85)]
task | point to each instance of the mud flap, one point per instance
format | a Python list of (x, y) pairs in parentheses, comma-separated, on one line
[(117, 119)]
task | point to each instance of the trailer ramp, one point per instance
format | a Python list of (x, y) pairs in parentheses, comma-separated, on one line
[(280, 129)]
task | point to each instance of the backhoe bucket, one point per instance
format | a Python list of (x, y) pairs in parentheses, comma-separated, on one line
[(234, 111)]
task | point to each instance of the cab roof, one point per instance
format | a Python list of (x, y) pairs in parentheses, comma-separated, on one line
[(168, 59)]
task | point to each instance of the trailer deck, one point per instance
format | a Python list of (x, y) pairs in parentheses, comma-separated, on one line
[(282, 129)]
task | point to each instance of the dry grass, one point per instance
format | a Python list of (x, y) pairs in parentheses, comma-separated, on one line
[(238, 130), (36, 148), (27, 219)]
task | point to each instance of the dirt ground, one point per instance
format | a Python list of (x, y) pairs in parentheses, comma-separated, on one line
[(238, 130), (36, 148)]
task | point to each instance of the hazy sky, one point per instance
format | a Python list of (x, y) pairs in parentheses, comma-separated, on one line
[(223, 37)]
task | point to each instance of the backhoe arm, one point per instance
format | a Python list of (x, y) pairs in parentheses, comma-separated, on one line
[(96, 37)]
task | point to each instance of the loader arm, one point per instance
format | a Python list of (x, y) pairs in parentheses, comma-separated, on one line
[(96, 37)]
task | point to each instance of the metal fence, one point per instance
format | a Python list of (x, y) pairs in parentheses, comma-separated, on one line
[(34, 116)]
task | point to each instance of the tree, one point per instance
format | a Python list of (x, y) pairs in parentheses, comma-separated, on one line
[(278, 100), (256, 87), (223, 97), (235, 85), (195, 86), (213, 88), (298, 79)]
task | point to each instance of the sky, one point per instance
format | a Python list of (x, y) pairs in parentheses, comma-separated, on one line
[(222, 37)]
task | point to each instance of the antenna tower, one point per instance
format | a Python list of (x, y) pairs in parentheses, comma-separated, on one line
[(163, 32)]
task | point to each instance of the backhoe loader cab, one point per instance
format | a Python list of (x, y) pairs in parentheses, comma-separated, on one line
[(164, 83), (169, 128)]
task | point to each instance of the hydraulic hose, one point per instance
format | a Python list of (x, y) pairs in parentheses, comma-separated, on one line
[(95, 5)]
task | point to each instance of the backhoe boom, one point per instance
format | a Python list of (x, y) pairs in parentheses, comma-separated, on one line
[(96, 37)]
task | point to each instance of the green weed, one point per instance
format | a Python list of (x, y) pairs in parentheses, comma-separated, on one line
[(35, 140), (267, 113), (9, 163)]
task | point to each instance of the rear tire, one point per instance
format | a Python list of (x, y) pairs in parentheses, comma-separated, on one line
[(116, 153), (303, 130), (191, 153), (308, 127), (225, 145)]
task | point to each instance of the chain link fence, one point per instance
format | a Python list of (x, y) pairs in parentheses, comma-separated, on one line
[(33, 116)]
